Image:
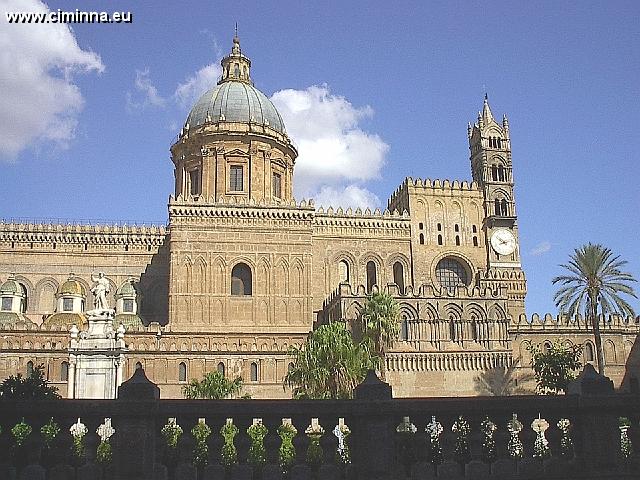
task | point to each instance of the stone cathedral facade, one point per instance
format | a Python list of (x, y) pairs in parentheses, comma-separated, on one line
[(242, 271)]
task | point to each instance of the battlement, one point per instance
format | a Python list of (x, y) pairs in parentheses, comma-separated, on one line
[(239, 208), (566, 322), (377, 222), (423, 291), (79, 233), (430, 187)]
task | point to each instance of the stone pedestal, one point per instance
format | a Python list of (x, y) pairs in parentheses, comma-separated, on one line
[(96, 357)]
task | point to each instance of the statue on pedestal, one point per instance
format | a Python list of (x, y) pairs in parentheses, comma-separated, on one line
[(100, 290)]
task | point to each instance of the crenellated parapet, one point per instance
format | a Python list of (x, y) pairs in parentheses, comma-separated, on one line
[(50, 235), (549, 323), (238, 211), (360, 222), (428, 187), (423, 291)]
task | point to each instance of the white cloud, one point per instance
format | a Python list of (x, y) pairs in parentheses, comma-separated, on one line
[(189, 92), (148, 91), (349, 196), (541, 249), (38, 99), (335, 155)]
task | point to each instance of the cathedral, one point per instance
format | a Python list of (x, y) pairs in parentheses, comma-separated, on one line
[(242, 271)]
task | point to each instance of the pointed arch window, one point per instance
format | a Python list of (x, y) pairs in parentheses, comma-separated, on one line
[(458, 240), (439, 239), (494, 173), (343, 271), (254, 372), (221, 368), (182, 372), (421, 239), (588, 352), (398, 276), (497, 206), (371, 275), (500, 173), (503, 205), (404, 329), (241, 280)]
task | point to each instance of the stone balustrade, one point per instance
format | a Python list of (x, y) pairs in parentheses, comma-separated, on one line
[(373, 436)]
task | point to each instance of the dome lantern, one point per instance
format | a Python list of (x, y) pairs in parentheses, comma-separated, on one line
[(236, 67)]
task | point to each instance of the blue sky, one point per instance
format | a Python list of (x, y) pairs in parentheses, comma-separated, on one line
[(88, 115)]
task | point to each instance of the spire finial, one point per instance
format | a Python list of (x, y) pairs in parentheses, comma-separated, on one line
[(486, 96)]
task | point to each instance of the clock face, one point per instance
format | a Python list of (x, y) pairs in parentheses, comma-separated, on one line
[(503, 242)]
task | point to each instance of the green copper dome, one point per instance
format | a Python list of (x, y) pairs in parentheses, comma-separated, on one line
[(12, 287), (235, 99)]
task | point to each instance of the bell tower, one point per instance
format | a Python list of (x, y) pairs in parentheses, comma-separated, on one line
[(492, 169)]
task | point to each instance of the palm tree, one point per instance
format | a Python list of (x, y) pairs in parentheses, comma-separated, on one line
[(502, 381), (594, 280), (214, 386), (329, 364), (380, 325)]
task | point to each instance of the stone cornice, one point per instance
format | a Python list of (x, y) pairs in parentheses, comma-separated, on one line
[(82, 234)]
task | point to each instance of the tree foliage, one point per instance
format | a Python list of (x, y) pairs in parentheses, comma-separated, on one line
[(380, 324), (33, 387), (501, 381), (213, 386), (595, 279), (330, 364), (556, 367)]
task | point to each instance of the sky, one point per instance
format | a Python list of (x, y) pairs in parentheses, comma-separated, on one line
[(370, 92)]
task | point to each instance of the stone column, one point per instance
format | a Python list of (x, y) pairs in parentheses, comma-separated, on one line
[(597, 437), (71, 378), (135, 445), (374, 432)]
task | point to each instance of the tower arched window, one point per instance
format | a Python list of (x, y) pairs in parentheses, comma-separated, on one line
[(456, 227), (372, 276), (236, 70), (451, 273), (343, 271), (474, 229), (503, 205), (241, 280), (458, 240), (29, 370), (494, 173), (221, 368), (404, 329), (398, 276), (439, 239), (501, 173), (475, 241), (64, 371), (497, 206), (499, 142), (422, 239), (182, 372), (421, 225), (254, 371), (439, 227)]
